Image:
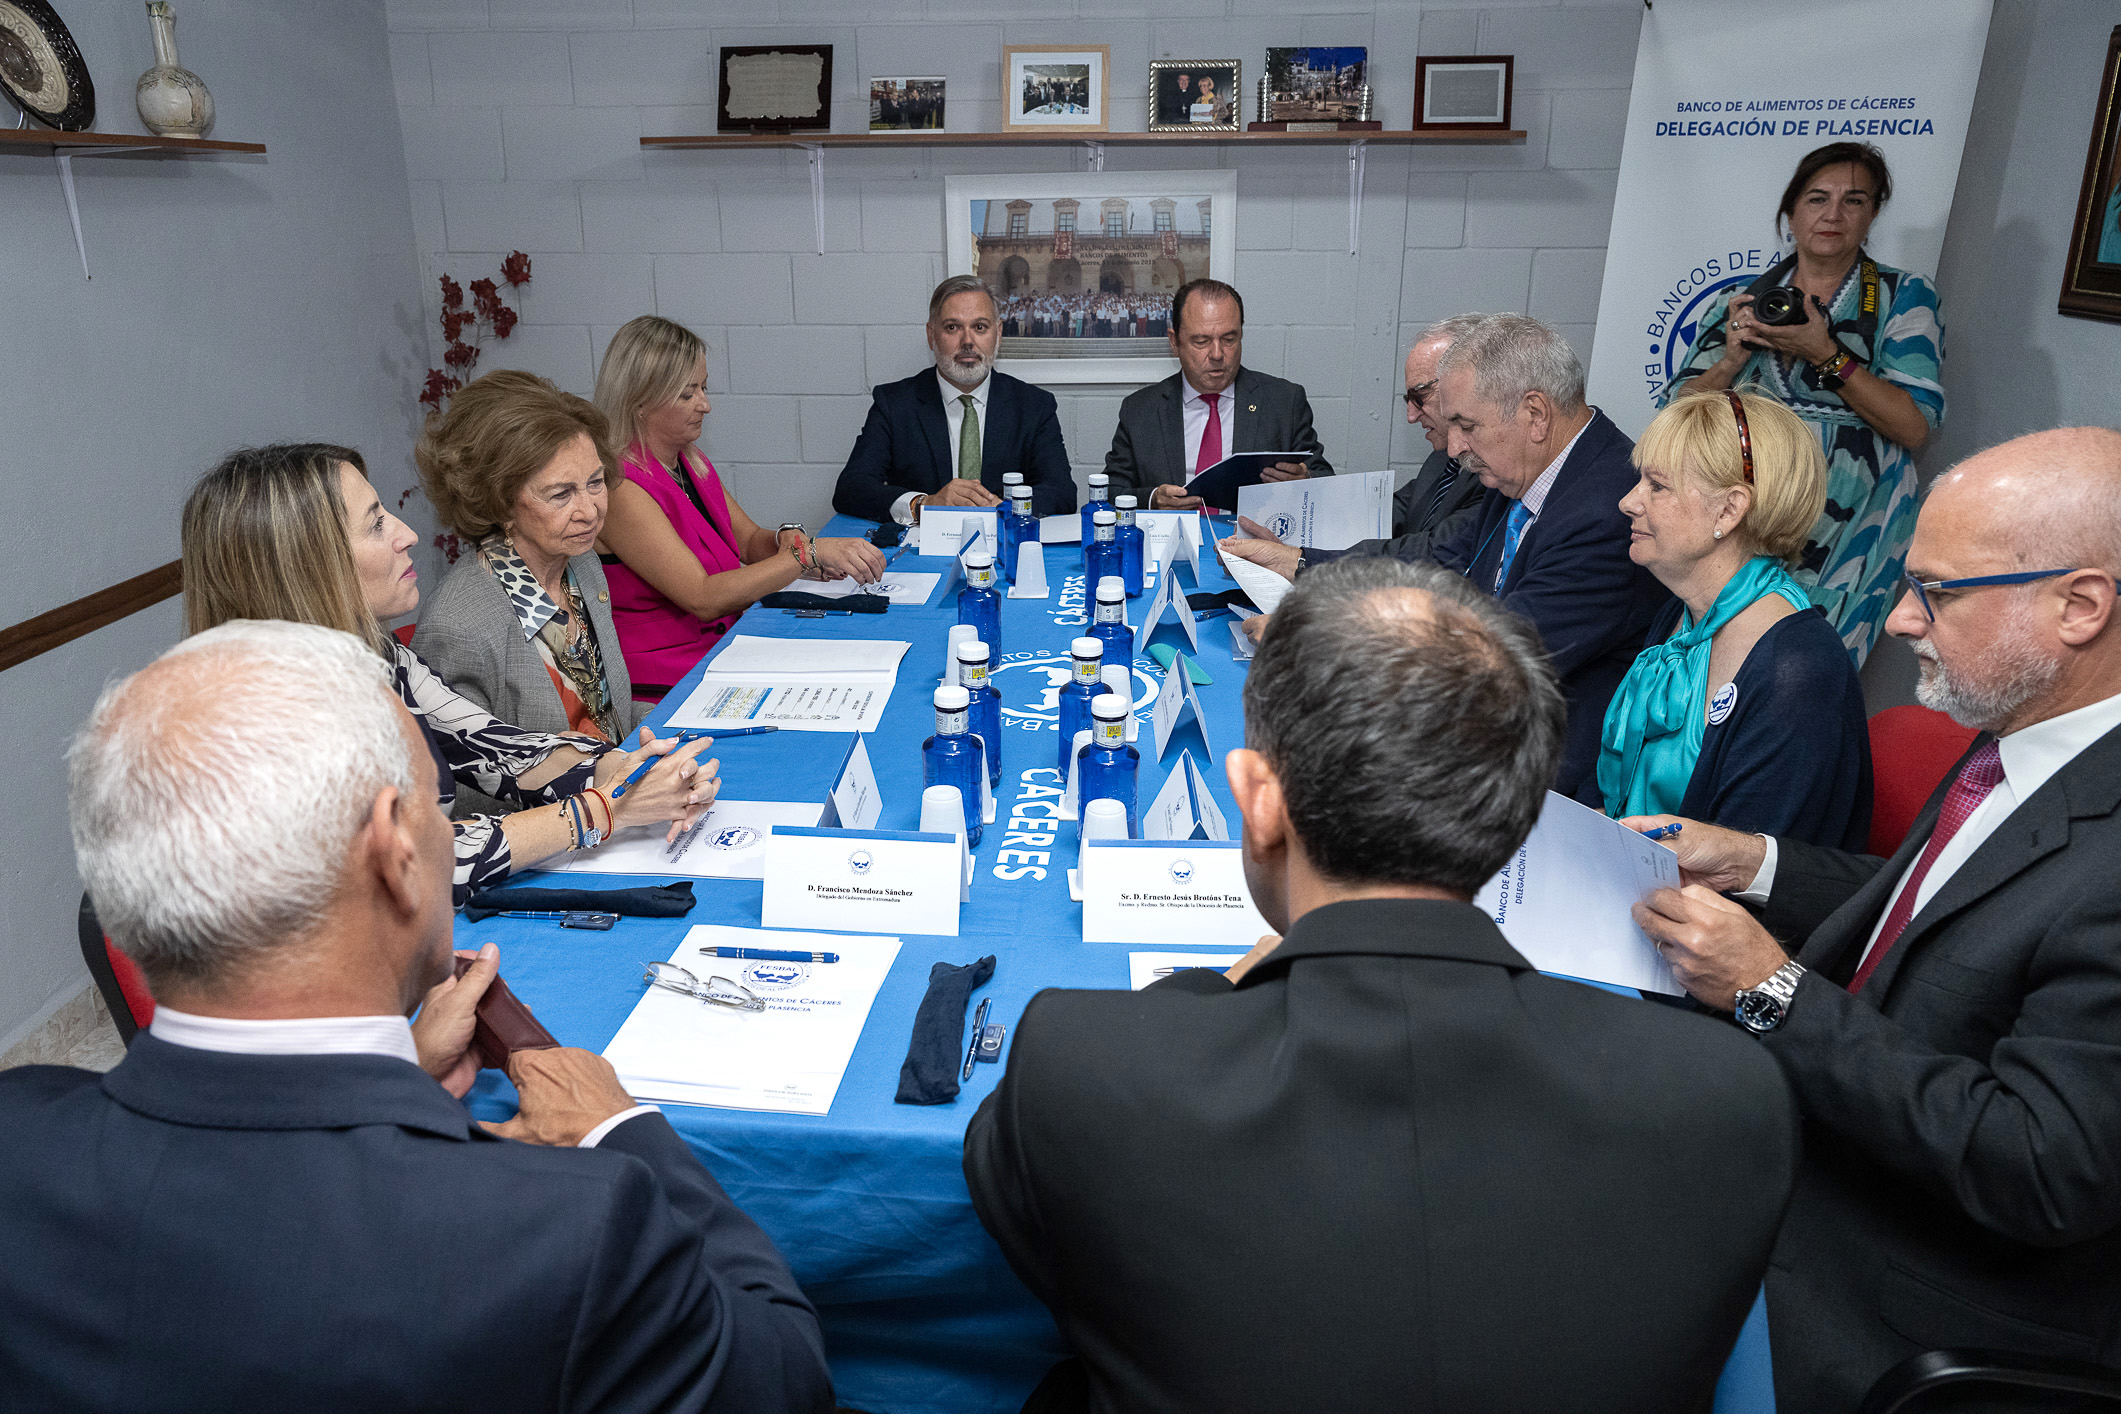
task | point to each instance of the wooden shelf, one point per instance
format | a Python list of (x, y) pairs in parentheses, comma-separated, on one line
[(52, 140), (1383, 136)]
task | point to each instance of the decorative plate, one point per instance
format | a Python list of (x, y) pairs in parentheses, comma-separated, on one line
[(41, 68)]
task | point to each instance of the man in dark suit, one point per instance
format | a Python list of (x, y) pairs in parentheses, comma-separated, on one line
[(947, 435), (1169, 432), (1949, 1019), (1385, 1164), (276, 1201)]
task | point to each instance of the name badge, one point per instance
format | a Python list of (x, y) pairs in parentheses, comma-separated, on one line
[(1721, 704), (1159, 892), (862, 881), (951, 532)]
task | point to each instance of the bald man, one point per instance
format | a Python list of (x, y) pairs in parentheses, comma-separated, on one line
[(1950, 1018)]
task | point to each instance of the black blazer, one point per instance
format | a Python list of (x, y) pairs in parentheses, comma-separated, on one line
[(1149, 445), (198, 1230), (1393, 1169), (1962, 1174), (1573, 579), (905, 446)]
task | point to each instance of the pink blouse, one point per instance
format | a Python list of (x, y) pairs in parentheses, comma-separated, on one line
[(661, 641)]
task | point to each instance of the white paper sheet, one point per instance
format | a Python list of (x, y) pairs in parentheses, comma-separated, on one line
[(788, 1058), (903, 587), (729, 842), (1564, 899), (811, 659), (1325, 512), (1061, 530), (1264, 587), (855, 706), (1146, 967)]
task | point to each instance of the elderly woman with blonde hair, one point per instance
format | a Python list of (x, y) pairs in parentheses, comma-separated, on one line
[(1744, 709)]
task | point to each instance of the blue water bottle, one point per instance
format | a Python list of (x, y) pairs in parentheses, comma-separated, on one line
[(951, 756), (1108, 766), (1087, 661), (1100, 500), (1131, 545), (986, 703), (1110, 624), (978, 604), (1101, 555), (1016, 526)]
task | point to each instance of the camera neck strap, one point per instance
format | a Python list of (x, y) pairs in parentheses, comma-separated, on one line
[(1857, 335)]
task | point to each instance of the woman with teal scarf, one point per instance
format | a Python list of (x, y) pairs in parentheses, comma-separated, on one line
[(1744, 709)]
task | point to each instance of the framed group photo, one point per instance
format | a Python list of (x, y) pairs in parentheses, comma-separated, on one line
[(1055, 88), (1195, 95), (2091, 281), (905, 105), (1083, 265)]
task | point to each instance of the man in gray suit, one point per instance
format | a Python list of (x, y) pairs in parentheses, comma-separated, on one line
[(1213, 406)]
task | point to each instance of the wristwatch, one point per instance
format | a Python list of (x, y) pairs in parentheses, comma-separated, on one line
[(1761, 1009)]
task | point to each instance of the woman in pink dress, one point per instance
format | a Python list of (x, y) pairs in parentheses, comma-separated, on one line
[(682, 557)]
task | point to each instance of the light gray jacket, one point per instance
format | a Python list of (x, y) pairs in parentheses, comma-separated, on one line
[(470, 635)]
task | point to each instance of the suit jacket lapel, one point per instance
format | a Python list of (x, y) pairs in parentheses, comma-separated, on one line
[(1171, 430), (1244, 416), (1834, 944), (999, 433), (928, 402)]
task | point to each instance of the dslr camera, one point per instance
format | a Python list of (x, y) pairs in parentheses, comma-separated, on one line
[(1781, 305)]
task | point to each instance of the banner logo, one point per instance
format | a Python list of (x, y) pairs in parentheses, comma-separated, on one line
[(1030, 686), (1676, 319)]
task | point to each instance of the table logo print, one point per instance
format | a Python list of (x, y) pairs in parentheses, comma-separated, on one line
[(860, 863), (1181, 871), (777, 975), (1030, 685), (735, 837)]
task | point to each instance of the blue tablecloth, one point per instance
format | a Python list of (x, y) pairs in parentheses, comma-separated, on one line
[(868, 1203)]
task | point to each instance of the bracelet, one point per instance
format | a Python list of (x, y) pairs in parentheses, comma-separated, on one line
[(611, 818), (803, 543), (571, 813), (1836, 367)]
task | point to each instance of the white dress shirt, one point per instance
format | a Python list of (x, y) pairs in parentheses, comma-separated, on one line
[(1196, 413), (2031, 757), (954, 419), (1535, 495), (316, 1036)]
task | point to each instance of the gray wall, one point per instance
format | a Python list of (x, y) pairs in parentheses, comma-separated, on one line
[(522, 121), (235, 300)]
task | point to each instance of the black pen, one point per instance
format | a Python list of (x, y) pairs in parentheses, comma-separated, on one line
[(979, 1024)]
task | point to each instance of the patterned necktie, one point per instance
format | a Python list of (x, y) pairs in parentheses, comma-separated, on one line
[(968, 440), (1211, 437), (1444, 484), (1520, 516), (1981, 774)]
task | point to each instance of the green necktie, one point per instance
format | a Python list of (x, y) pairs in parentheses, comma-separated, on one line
[(968, 441)]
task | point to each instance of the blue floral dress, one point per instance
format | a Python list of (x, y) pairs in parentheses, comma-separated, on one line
[(1853, 557)]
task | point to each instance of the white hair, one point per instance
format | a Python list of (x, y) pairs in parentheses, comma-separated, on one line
[(1515, 354), (214, 794), (1448, 330)]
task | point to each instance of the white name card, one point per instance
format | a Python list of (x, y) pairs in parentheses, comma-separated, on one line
[(1176, 703), (853, 803), (1183, 809), (862, 881), (949, 532), (1167, 599), (1158, 892)]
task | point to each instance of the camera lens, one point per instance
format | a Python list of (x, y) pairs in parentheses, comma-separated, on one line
[(1780, 305)]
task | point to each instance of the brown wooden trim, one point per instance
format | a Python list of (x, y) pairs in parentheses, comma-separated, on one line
[(53, 140), (1387, 136), (84, 616)]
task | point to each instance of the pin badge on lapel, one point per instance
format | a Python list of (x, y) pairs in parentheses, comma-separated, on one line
[(1251, 407)]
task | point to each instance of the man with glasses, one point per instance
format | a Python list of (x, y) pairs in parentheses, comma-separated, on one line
[(1950, 1018)]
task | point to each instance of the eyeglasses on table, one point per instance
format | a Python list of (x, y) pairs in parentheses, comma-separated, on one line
[(715, 991)]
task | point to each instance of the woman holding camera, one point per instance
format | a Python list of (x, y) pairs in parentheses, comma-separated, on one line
[(1854, 348)]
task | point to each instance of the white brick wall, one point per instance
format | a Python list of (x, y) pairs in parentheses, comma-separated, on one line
[(522, 121)]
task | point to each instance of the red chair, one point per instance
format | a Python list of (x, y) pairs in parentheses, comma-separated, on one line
[(404, 635), (1912, 748), (124, 990)]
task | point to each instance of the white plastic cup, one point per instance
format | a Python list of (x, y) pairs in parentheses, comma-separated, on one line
[(959, 633), (943, 811), (1103, 819)]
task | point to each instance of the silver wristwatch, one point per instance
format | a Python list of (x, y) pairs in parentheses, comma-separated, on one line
[(1761, 1009)]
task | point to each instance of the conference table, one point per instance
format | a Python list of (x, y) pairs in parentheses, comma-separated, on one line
[(868, 1202)]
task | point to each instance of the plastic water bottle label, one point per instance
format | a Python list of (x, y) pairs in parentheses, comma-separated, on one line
[(1111, 613), (1112, 733), (972, 674), (1086, 671), (979, 576), (950, 723)]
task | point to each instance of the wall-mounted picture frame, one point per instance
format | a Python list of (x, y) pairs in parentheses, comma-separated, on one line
[(2091, 280), (1083, 265), (1055, 88), (1195, 96), (1464, 92), (906, 105), (1317, 84), (775, 88)]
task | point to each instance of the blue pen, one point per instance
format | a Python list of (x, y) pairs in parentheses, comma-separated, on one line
[(771, 955), (689, 734), (1662, 832)]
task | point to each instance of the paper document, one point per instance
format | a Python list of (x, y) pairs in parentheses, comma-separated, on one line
[(751, 656), (1220, 485), (729, 842), (1263, 586), (900, 587), (1144, 968), (797, 684), (1325, 512), (1564, 899), (1061, 530), (788, 1057)]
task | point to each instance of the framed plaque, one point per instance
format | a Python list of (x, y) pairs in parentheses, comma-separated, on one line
[(775, 88), (1470, 92)]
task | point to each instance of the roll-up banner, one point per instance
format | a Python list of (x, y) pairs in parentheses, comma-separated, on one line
[(1727, 98)]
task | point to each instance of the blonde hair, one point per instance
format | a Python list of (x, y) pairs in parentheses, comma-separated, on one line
[(645, 365), (499, 431), (1697, 436), (265, 537)]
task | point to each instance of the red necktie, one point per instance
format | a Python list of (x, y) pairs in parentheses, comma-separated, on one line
[(1211, 437), (1980, 775)]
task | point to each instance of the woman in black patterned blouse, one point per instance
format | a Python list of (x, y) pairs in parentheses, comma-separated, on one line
[(295, 531)]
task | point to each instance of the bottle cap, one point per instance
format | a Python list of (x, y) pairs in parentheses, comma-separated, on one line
[(971, 650), (1012, 478), (1104, 518), (952, 698), (1125, 503), (1087, 647), (979, 560), (1108, 707), (1099, 478), (1111, 587), (1019, 492)]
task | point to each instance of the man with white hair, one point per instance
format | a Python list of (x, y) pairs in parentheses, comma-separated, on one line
[(276, 1200), (1950, 1018)]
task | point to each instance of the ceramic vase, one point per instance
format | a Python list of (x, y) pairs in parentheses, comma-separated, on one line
[(173, 102)]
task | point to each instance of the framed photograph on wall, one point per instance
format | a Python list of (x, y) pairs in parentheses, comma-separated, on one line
[(1466, 91), (781, 88), (1083, 265), (905, 105), (1054, 88), (1195, 95), (2091, 281)]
